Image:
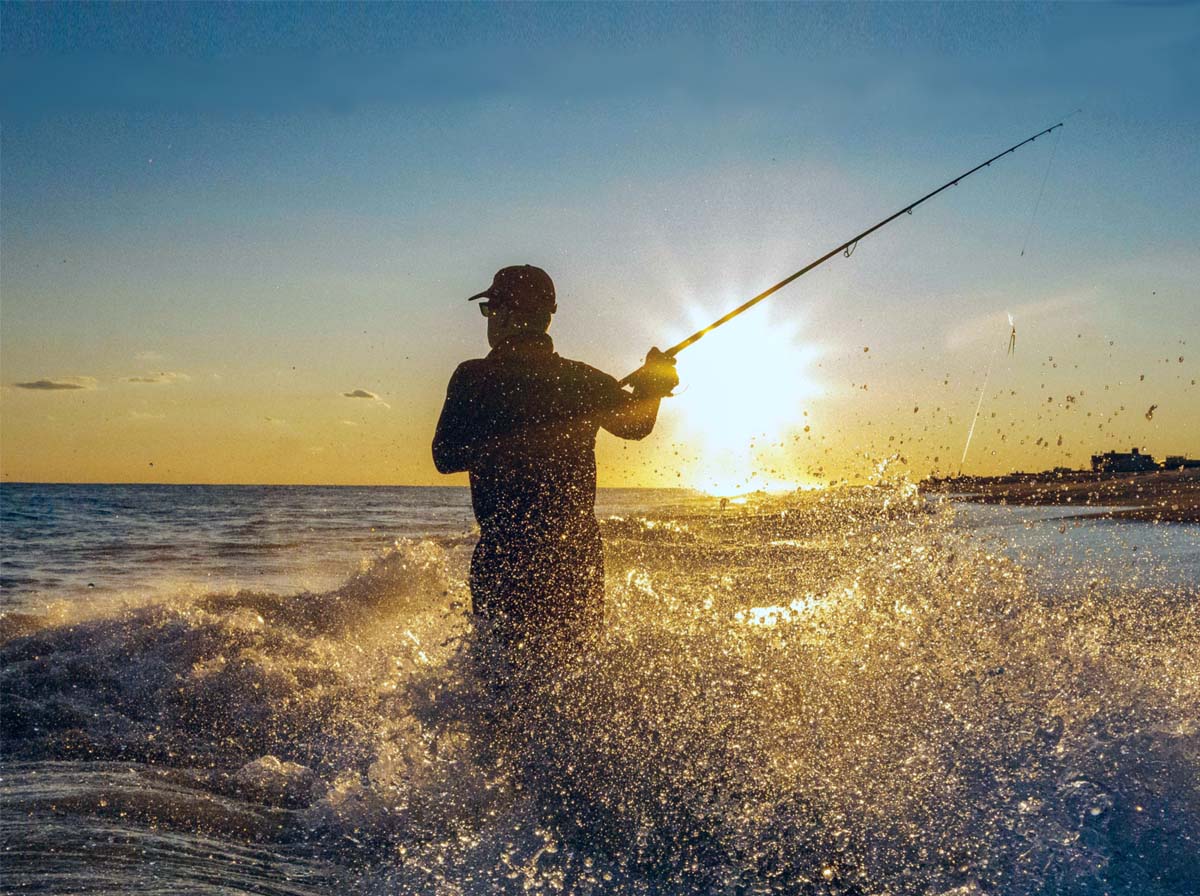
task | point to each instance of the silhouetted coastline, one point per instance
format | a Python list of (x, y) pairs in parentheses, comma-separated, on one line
[(1154, 496)]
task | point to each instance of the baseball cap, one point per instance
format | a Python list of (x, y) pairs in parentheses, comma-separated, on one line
[(521, 286)]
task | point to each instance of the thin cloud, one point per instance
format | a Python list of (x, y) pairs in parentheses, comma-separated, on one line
[(369, 396), (63, 383), (159, 379)]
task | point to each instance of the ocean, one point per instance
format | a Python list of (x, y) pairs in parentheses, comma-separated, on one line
[(277, 690)]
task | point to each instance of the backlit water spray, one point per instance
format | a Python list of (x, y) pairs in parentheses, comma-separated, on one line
[(852, 691)]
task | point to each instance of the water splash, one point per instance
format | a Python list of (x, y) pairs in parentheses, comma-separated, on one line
[(837, 692)]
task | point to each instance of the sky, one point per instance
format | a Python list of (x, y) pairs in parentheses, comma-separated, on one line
[(236, 239)]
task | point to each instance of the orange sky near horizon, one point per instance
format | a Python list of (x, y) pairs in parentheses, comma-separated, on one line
[(835, 412)]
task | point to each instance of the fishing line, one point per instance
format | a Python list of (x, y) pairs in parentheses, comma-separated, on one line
[(1012, 338), (983, 389), (1042, 191)]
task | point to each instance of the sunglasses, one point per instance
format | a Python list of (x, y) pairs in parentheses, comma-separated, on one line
[(487, 309)]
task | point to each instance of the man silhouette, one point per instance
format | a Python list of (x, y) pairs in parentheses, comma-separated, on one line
[(523, 423)]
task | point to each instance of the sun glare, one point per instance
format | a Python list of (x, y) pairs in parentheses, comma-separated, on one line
[(742, 404)]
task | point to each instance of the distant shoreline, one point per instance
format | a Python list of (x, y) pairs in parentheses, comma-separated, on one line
[(1168, 496)]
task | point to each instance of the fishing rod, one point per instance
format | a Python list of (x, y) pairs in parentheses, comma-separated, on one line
[(846, 247)]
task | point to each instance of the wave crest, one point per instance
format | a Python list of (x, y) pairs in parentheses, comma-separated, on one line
[(828, 694)]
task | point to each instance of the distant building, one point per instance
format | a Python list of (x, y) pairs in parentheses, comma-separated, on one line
[(1119, 462), (1179, 462)]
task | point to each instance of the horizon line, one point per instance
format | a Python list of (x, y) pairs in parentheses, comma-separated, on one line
[(3, 482)]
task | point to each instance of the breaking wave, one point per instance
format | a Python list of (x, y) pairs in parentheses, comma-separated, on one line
[(843, 693)]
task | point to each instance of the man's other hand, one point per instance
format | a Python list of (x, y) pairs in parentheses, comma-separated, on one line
[(657, 377)]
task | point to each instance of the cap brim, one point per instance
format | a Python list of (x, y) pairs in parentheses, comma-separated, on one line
[(479, 295)]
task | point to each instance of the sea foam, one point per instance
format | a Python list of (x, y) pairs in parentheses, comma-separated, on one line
[(844, 693)]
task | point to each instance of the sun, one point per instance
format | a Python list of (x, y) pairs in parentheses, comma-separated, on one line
[(745, 387)]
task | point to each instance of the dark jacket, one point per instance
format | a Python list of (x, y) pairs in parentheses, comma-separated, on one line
[(523, 423)]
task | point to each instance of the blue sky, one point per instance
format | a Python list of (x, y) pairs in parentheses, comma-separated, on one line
[(286, 202)]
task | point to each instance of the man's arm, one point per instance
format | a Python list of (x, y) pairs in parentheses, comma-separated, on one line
[(456, 436), (632, 415)]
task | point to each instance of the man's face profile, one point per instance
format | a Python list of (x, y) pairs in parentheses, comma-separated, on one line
[(497, 323), (504, 321)]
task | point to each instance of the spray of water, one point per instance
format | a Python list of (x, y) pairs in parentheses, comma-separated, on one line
[(844, 692)]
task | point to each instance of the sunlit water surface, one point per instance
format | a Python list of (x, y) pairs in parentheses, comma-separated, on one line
[(276, 691)]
